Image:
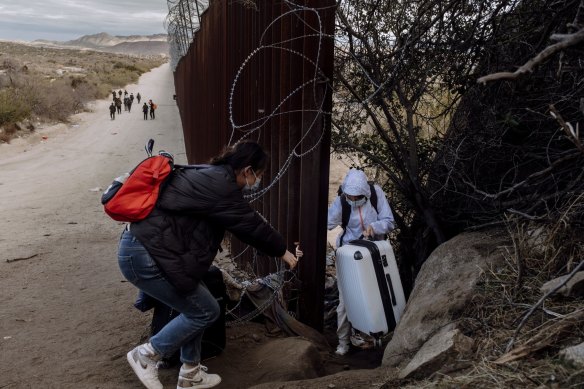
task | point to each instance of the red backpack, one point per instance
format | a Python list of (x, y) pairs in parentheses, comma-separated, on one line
[(132, 196)]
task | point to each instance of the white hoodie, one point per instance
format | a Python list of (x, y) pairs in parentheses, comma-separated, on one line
[(355, 184)]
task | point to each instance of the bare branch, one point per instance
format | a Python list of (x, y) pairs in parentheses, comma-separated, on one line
[(518, 185), (565, 41)]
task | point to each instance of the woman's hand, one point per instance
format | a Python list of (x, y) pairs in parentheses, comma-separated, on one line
[(369, 233), (290, 259), (299, 253)]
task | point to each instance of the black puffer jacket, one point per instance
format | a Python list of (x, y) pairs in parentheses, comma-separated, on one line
[(185, 230)]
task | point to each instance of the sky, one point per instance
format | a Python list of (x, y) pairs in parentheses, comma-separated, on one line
[(63, 20)]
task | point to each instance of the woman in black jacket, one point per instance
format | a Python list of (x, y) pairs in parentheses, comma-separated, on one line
[(166, 254)]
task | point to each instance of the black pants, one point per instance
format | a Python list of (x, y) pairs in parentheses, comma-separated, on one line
[(145, 115)]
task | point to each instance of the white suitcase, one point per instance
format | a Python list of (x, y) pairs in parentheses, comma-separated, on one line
[(368, 277)]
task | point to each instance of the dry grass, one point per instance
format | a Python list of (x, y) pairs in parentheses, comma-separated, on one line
[(539, 252)]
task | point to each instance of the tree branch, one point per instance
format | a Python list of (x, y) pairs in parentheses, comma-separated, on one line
[(565, 41)]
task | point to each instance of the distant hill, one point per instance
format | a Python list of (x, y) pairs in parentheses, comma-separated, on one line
[(133, 44), (141, 47), (103, 39)]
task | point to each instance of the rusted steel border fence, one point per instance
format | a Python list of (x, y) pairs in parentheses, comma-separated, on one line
[(262, 69)]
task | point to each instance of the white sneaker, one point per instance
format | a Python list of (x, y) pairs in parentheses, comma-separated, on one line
[(196, 377), (342, 349), (143, 360)]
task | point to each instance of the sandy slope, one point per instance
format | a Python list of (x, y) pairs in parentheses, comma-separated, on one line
[(60, 309)]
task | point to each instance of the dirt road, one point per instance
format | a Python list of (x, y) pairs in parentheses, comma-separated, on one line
[(65, 313)]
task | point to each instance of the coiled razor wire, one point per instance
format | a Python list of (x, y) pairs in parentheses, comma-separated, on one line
[(255, 125), (182, 23), (273, 281)]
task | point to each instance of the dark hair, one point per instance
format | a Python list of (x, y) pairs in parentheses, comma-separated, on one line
[(242, 154)]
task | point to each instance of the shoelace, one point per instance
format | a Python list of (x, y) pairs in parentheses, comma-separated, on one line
[(195, 370)]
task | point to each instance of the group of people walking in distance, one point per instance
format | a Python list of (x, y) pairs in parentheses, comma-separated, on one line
[(116, 105)]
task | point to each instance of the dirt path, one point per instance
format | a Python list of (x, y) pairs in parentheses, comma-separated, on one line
[(65, 313)]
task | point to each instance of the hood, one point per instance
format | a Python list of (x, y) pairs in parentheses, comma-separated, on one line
[(356, 184)]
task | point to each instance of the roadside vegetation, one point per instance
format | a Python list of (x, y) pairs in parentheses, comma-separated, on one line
[(39, 84)]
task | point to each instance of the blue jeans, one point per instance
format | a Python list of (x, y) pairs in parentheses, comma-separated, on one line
[(198, 308)]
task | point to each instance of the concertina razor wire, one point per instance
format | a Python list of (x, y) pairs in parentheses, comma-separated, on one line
[(182, 23)]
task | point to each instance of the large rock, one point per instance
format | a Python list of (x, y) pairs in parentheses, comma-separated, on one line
[(444, 286), (444, 349), (286, 359), (573, 288)]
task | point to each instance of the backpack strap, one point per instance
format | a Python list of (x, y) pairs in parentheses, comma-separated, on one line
[(345, 215), (200, 166), (373, 197)]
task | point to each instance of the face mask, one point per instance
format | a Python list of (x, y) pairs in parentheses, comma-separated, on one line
[(255, 185), (357, 203)]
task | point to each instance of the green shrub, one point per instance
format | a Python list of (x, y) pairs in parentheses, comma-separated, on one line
[(12, 107), (128, 67)]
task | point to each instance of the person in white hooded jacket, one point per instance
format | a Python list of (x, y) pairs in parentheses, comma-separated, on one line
[(365, 221)]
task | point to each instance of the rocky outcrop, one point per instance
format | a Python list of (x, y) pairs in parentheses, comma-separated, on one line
[(427, 338), (442, 351), (287, 359), (445, 285)]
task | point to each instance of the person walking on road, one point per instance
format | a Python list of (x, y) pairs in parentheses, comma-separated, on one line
[(145, 110), (166, 254), (119, 105), (112, 109), (138, 97), (152, 109)]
